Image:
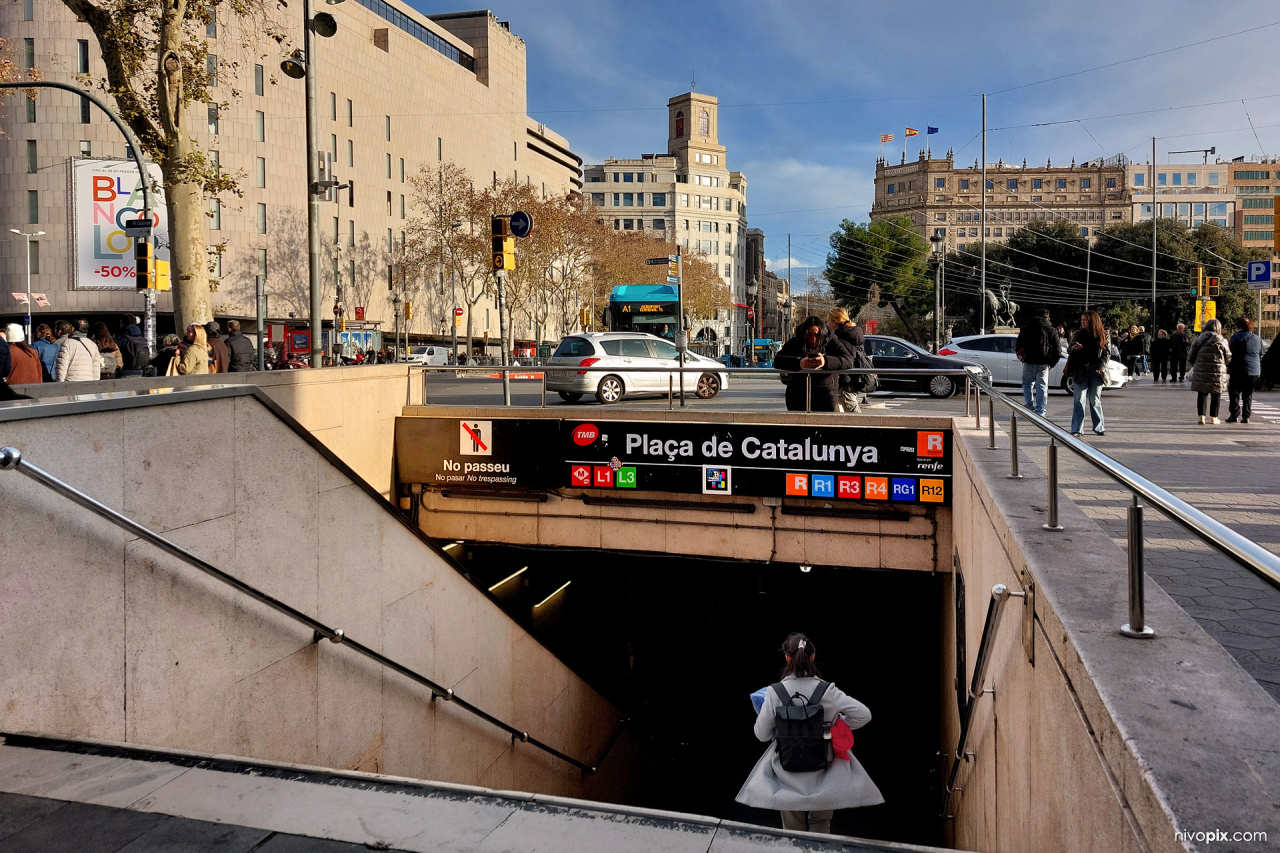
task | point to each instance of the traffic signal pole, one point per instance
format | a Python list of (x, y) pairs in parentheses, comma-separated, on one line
[(502, 335)]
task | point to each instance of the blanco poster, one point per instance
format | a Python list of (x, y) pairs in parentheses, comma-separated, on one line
[(104, 195)]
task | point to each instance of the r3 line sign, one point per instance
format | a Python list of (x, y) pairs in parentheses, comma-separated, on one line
[(893, 465)]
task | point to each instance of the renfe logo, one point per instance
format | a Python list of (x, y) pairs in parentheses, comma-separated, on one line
[(929, 444), (584, 434)]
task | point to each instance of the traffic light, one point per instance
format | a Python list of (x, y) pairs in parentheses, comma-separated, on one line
[(504, 245), (408, 310), (144, 264), (162, 275), (1197, 281), (342, 324), (1211, 284)]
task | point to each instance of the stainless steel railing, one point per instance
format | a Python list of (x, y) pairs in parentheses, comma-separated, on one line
[(11, 460)]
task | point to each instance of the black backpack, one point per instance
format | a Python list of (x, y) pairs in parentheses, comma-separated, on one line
[(801, 735), (864, 382)]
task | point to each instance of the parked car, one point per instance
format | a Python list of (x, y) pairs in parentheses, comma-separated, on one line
[(998, 353), (623, 350), (428, 355), (889, 354)]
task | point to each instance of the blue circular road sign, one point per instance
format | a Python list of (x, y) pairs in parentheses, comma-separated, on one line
[(521, 224)]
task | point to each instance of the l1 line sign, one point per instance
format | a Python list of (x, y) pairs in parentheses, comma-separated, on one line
[(896, 465)]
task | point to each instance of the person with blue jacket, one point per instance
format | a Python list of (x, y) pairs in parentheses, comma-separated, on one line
[(48, 350), (1243, 370)]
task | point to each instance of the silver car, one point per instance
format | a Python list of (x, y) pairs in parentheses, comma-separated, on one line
[(998, 353), (621, 352)]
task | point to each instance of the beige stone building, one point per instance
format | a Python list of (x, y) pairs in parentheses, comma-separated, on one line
[(1191, 193), (943, 198), (687, 194), (1255, 183), (398, 91)]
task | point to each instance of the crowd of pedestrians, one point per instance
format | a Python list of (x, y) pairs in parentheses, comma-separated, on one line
[(77, 351)]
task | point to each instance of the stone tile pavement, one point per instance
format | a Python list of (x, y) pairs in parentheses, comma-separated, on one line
[(1229, 471)]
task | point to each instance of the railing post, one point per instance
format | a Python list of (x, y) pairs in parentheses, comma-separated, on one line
[(968, 391), (808, 392), (544, 386), (424, 385), (1013, 446), (1137, 626), (1052, 523), (977, 406), (991, 422), (671, 392)]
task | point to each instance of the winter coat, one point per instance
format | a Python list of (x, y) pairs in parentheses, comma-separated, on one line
[(1038, 343), (826, 386), (218, 355), (842, 785), (163, 358), (1179, 345), (1089, 359), (6, 360), (1209, 357), (194, 359), (1160, 349), (48, 358), (1246, 354), (1135, 345), (134, 353), (27, 369), (853, 339), (112, 362), (244, 355), (78, 359)]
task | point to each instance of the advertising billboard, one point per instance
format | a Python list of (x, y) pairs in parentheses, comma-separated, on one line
[(104, 195)]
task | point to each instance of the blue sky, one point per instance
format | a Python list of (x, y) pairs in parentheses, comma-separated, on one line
[(806, 88)]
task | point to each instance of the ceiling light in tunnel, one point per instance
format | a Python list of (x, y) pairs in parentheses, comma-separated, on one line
[(552, 595), (507, 578), (453, 545), (806, 569)]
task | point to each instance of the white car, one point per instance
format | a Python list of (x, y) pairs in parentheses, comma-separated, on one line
[(998, 353), (428, 355), (620, 351)]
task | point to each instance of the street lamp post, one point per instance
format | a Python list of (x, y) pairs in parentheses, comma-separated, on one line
[(395, 305), (28, 235), (939, 257), (753, 288)]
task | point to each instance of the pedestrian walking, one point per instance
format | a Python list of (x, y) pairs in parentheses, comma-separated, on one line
[(811, 350), (1209, 357), (1145, 341), (48, 350), (1039, 348), (851, 387), (1243, 370), (219, 356), (243, 354), (1179, 349), (134, 353), (1132, 351), (1160, 349), (78, 357), (26, 368), (807, 798), (1086, 363), (195, 352), (112, 361)]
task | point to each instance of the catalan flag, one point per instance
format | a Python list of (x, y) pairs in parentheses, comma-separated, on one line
[(911, 131), (886, 137)]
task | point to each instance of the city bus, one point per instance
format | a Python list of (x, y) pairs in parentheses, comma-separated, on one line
[(652, 308)]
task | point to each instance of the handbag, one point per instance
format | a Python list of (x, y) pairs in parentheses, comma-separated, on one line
[(172, 369)]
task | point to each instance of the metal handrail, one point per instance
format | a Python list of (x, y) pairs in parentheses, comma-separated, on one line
[(11, 460), (1244, 551)]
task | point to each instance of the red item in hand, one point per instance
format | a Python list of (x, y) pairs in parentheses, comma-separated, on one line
[(841, 739)]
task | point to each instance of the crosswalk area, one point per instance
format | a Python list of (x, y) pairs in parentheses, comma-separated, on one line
[(1265, 412)]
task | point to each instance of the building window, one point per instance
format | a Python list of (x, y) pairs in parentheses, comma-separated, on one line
[(1111, 183), (32, 159), (1086, 183), (351, 234), (31, 109), (617, 199), (33, 207), (1191, 179), (86, 110), (402, 208), (704, 123), (213, 119), (680, 125), (1036, 183), (402, 170), (939, 183), (260, 126), (258, 80), (333, 106), (388, 166), (728, 270), (628, 200), (211, 28), (262, 218), (597, 199), (388, 207), (440, 148), (351, 153), (211, 69), (388, 128), (1037, 198), (82, 55), (990, 184), (1213, 179), (659, 199), (964, 183), (660, 224), (34, 256), (889, 190), (391, 240), (262, 263), (28, 10), (1061, 183), (626, 177), (86, 148), (260, 171), (617, 224), (350, 114), (28, 53), (1012, 184), (215, 215), (684, 199), (617, 178), (628, 224), (1177, 179)]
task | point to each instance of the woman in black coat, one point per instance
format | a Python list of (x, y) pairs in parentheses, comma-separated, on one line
[(813, 350)]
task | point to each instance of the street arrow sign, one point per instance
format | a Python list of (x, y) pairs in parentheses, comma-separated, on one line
[(673, 258), (653, 262), (521, 224), (1259, 275), (673, 279), (137, 228)]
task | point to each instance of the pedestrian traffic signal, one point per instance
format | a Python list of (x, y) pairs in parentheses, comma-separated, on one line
[(162, 275), (1212, 287), (408, 310), (144, 264), (504, 245)]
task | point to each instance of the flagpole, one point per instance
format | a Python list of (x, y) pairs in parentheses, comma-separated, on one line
[(982, 286)]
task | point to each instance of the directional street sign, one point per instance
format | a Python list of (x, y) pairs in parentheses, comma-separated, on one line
[(137, 228), (673, 258), (673, 279), (521, 224), (654, 262), (1259, 275)]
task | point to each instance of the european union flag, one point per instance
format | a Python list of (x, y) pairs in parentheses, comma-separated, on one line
[(931, 130)]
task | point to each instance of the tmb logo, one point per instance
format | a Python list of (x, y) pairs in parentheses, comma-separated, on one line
[(584, 434)]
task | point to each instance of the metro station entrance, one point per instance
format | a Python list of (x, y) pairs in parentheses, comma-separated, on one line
[(679, 643)]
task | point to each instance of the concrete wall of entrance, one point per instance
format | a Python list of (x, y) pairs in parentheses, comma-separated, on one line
[(108, 637)]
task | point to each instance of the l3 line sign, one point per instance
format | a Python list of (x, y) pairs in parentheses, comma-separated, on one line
[(837, 463)]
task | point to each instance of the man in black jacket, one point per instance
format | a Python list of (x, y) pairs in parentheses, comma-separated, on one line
[(243, 355), (133, 351), (1179, 347), (1039, 348)]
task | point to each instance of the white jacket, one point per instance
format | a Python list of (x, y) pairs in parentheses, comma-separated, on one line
[(842, 785), (78, 359)]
